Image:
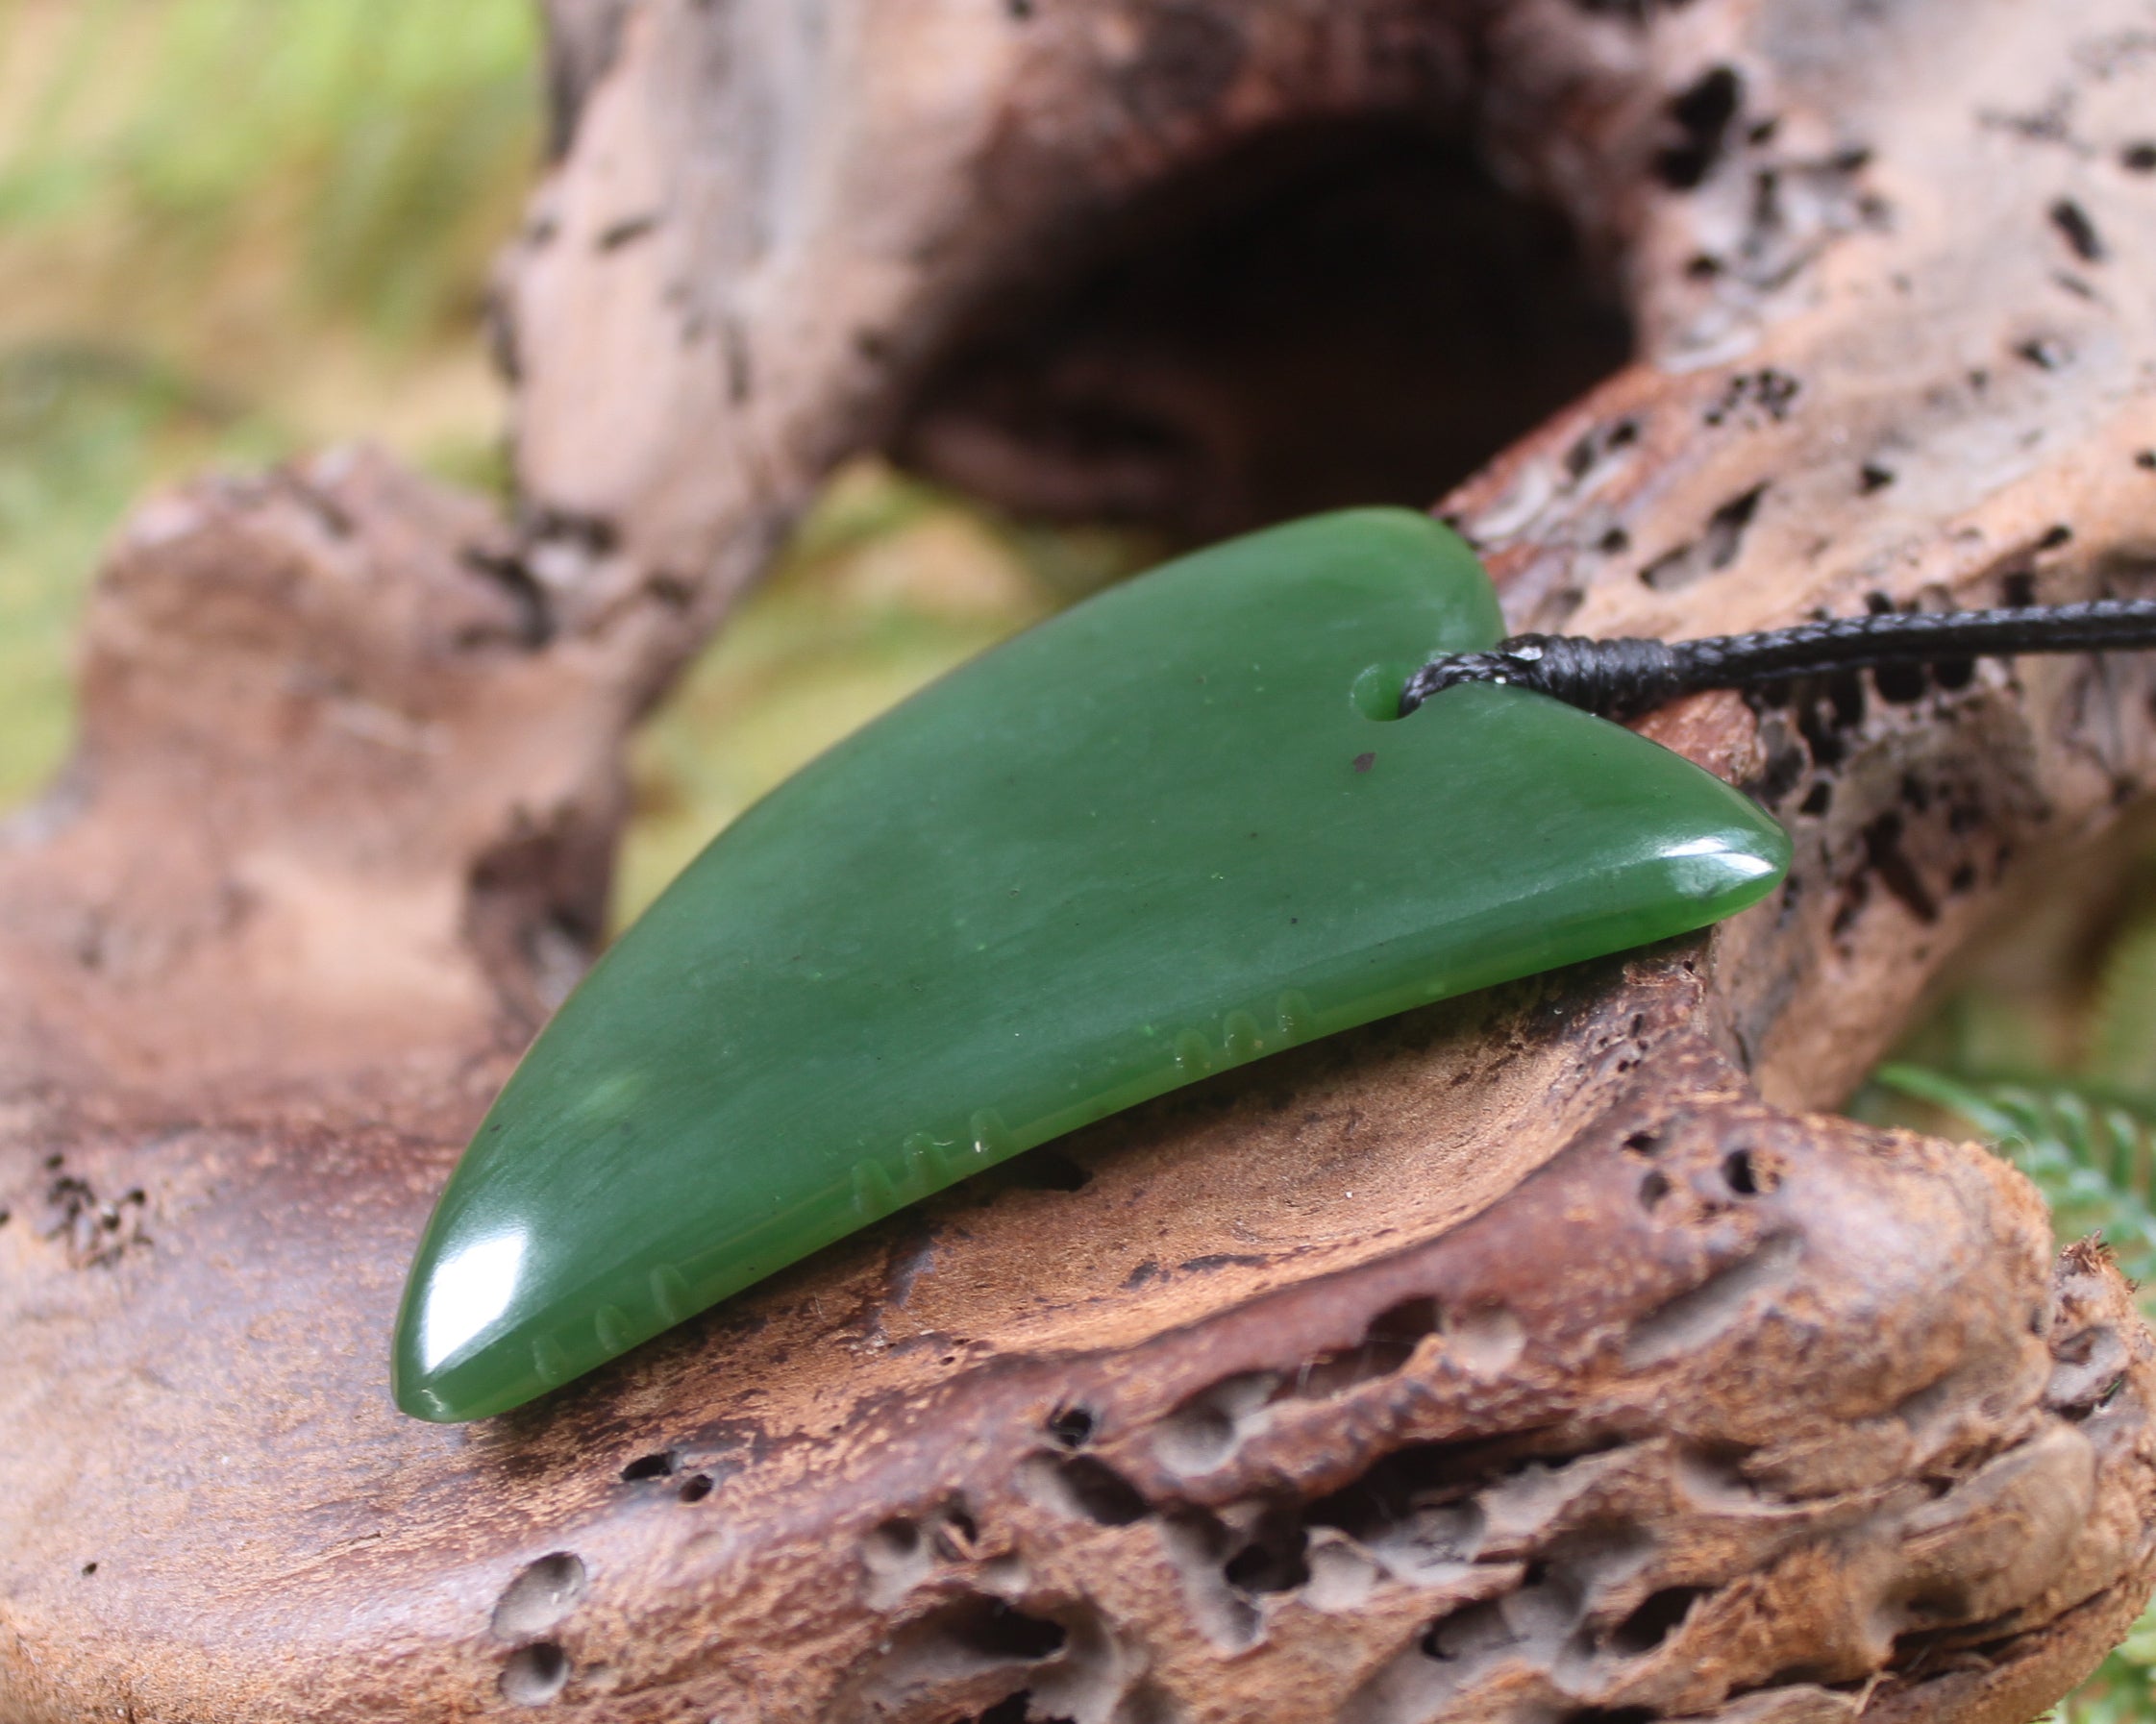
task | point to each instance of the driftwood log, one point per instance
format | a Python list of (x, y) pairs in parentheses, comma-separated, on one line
[(1537, 1356)]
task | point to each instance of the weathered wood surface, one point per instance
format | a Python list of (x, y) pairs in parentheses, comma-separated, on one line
[(1535, 1357)]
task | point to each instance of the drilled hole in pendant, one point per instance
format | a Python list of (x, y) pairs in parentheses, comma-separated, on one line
[(1375, 691)]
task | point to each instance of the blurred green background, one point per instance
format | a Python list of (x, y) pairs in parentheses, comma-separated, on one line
[(230, 227), (233, 229)]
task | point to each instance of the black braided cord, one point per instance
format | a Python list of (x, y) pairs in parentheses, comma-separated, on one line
[(1625, 678)]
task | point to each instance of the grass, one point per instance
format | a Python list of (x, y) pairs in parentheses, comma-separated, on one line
[(230, 228)]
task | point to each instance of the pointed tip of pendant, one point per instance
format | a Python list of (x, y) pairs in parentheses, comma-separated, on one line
[(503, 1305), (456, 1354), (419, 1392), (480, 1385), (421, 1400), (416, 1393)]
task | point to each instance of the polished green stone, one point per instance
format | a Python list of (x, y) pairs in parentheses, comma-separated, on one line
[(1176, 829)]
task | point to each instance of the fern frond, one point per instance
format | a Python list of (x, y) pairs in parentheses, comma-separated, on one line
[(2087, 1147)]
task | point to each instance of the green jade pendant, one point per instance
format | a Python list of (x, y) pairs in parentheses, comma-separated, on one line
[(1176, 829)]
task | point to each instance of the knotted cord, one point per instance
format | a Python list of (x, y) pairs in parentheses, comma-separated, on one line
[(1626, 676)]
